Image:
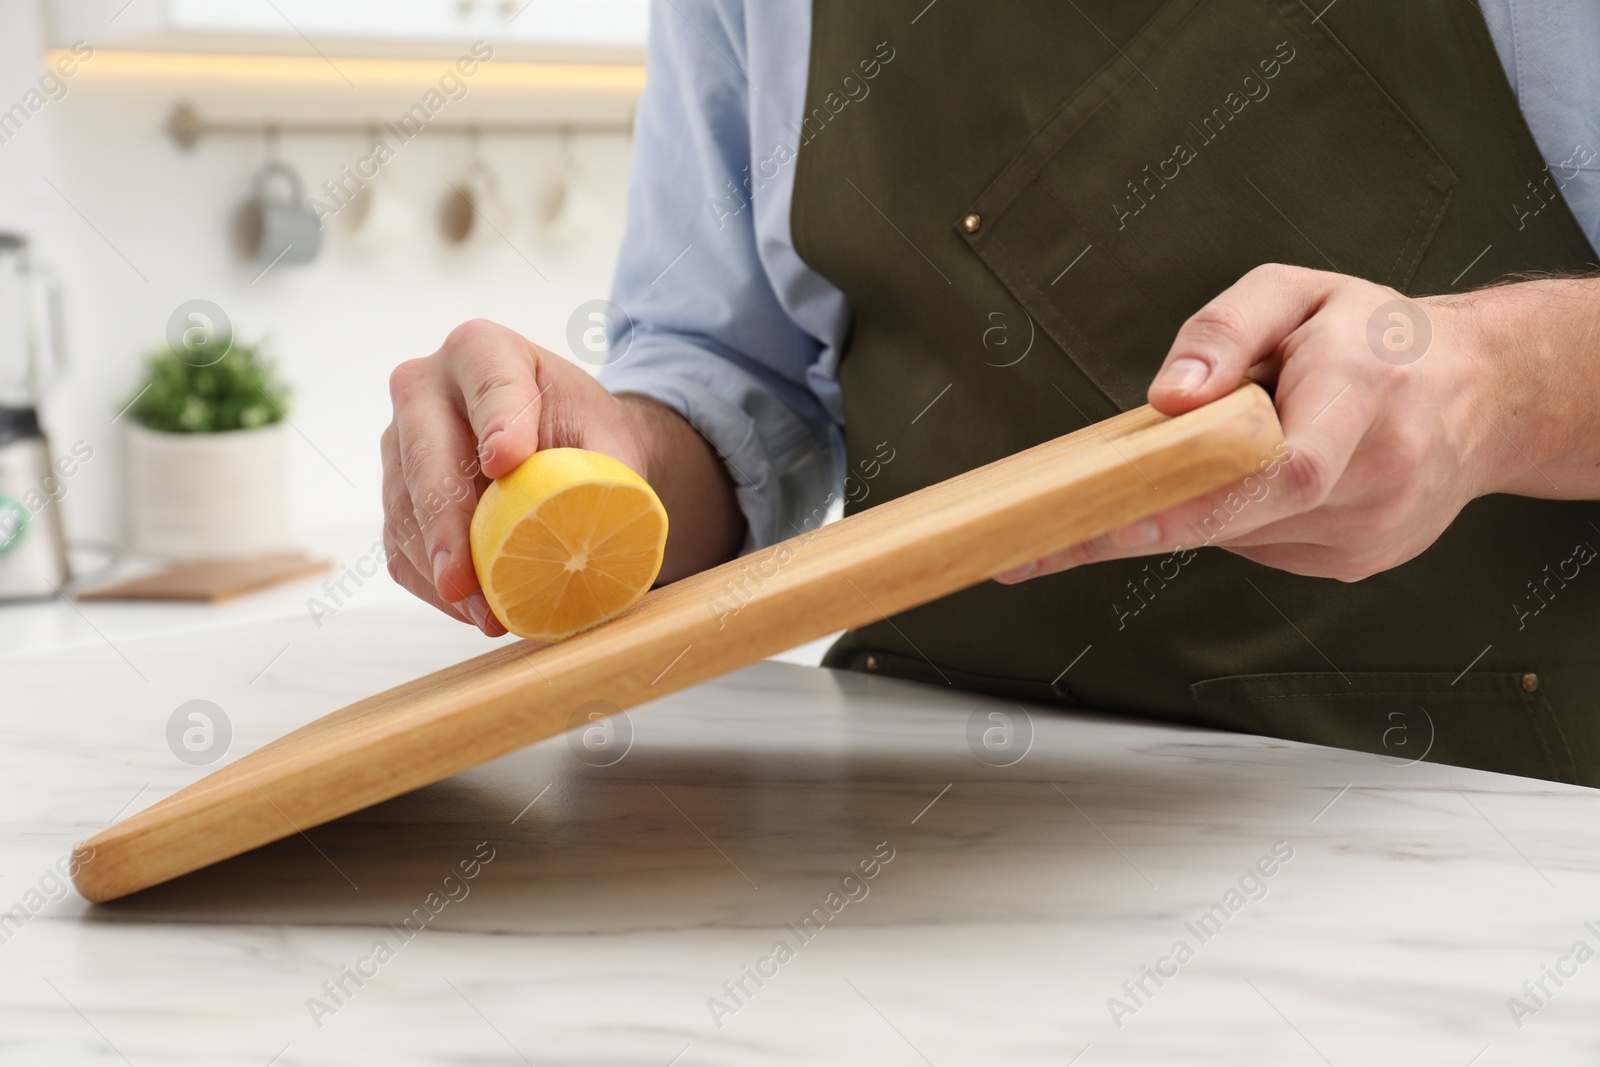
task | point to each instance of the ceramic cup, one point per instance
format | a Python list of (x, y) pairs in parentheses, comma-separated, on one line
[(550, 200), (472, 207), (564, 206), (552, 196), (273, 224), (377, 220)]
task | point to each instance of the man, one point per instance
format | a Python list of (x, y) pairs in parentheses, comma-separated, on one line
[(871, 246)]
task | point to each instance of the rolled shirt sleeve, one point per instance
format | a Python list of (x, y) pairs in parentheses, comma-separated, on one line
[(721, 320)]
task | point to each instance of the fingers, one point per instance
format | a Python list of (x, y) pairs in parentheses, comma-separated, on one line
[(496, 372), (1194, 524), (407, 554), (1216, 348), (474, 609), (407, 577), (402, 536), (1311, 509), (1214, 518), (473, 411), (437, 458), (1135, 539), (1269, 504), (1312, 561), (1326, 402)]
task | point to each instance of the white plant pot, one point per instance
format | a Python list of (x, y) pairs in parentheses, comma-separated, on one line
[(193, 495)]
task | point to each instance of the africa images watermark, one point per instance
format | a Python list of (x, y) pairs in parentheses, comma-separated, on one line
[(337, 590), (852, 889), (1211, 527), (1583, 554), (741, 192), (49, 888), (1536, 992), (1251, 887), (52, 86), (1547, 190), (199, 732), (450, 88), (17, 512), (455, 490), (1143, 191), (761, 568), (339, 990)]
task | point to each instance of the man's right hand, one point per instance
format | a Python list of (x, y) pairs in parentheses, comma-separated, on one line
[(486, 401)]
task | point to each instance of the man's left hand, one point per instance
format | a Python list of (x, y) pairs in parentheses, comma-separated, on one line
[(1396, 413)]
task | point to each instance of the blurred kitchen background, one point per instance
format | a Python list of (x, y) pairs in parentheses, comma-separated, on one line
[(149, 157)]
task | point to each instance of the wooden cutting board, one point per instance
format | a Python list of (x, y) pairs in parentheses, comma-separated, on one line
[(210, 579), (884, 560)]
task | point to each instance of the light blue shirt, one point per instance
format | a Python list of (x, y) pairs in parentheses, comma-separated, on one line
[(730, 327), (1547, 48)]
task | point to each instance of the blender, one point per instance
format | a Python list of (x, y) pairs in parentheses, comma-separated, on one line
[(33, 557)]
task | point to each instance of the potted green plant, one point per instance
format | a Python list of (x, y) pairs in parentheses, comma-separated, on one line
[(207, 471)]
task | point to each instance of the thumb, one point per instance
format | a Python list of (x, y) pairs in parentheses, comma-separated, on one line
[(497, 374), (1219, 344)]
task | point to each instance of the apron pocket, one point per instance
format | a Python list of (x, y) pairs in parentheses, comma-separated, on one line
[(1487, 720), (1226, 134)]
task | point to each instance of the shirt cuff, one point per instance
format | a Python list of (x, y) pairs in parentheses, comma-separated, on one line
[(782, 473)]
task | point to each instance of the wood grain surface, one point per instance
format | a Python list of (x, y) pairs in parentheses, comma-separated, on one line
[(210, 579), (884, 560)]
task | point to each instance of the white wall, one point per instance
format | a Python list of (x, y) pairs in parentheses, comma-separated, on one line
[(141, 226), (21, 190)]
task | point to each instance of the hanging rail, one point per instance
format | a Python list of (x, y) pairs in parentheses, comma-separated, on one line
[(186, 127)]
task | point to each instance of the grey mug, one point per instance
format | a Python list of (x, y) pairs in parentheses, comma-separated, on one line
[(274, 225)]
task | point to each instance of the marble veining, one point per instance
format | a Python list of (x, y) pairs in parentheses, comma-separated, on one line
[(621, 910)]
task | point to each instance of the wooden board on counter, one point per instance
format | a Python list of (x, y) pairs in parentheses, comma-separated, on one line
[(881, 561), (210, 579)]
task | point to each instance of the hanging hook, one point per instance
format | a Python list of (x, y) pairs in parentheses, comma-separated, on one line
[(551, 200)]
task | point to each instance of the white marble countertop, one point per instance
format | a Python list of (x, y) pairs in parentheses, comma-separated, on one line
[(609, 905)]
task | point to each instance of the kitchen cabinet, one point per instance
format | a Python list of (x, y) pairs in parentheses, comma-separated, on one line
[(609, 28)]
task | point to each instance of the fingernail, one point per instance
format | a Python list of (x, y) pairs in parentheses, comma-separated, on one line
[(1137, 535), (1018, 574), (1184, 374), (441, 560), (486, 451), (476, 608)]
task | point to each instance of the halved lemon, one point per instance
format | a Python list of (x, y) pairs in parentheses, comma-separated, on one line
[(566, 541)]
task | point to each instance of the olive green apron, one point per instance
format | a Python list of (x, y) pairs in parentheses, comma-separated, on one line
[(1022, 201)]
